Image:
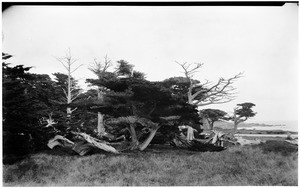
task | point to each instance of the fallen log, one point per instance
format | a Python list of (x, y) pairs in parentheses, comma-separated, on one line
[(59, 140), (81, 147), (98, 143)]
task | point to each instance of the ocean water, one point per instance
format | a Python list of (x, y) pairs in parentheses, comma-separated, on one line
[(275, 125)]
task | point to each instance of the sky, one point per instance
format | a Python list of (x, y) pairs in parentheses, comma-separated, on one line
[(262, 42)]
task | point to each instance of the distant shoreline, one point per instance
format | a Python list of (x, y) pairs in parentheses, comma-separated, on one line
[(262, 128)]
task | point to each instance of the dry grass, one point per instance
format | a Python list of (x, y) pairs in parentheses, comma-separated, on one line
[(260, 165)]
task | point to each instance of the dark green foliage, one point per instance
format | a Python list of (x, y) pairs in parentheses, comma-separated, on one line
[(151, 100), (61, 81), (31, 99), (131, 95), (26, 99), (212, 115), (6, 56), (26, 96), (124, 68), (179, 87), (245, 110), (59, 105), (138, 75)]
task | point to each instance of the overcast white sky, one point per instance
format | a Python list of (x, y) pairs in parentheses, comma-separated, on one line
[(261, 41)]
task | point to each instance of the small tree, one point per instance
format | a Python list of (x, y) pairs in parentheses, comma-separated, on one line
[(212, 115), (60, 102), (99, 69), (67, 61), (241, 113)]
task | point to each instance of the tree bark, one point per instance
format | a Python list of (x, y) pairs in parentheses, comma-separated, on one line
[(206, 124), (235, 121), (134, 140), (211, 125), (67, 62), (98, 68), (100, 127), (69, 111), (145, 144), (100, 124)]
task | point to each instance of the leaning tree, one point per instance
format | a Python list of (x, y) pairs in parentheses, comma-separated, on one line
[(212, 115), (241, 113)]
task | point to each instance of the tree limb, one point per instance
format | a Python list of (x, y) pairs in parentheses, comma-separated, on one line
[(73, 110), (65, 92), (76, 68)]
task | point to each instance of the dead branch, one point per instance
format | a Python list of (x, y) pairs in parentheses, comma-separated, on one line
[(98, 68), (76, 68), (220, 92), (67, 61)]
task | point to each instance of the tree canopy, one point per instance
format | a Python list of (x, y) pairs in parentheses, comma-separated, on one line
[(212, 115), (126, 105), (242, 112)]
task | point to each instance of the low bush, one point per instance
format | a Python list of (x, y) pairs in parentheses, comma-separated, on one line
[(277, 146)]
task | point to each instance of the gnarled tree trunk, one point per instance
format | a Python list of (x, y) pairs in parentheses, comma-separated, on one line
[(145, 144), (131, 121), (134, 140)]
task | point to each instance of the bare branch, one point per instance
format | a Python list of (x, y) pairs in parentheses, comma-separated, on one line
[(98, 68), (201, 103), (187, 71), (76, 68), (207, 82), (65, 92), (72, 61), (107, 63), (75, 97), (73, 110), (202, 94), (62, 62)]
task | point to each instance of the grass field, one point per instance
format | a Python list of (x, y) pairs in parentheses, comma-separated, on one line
[(272, 163)]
